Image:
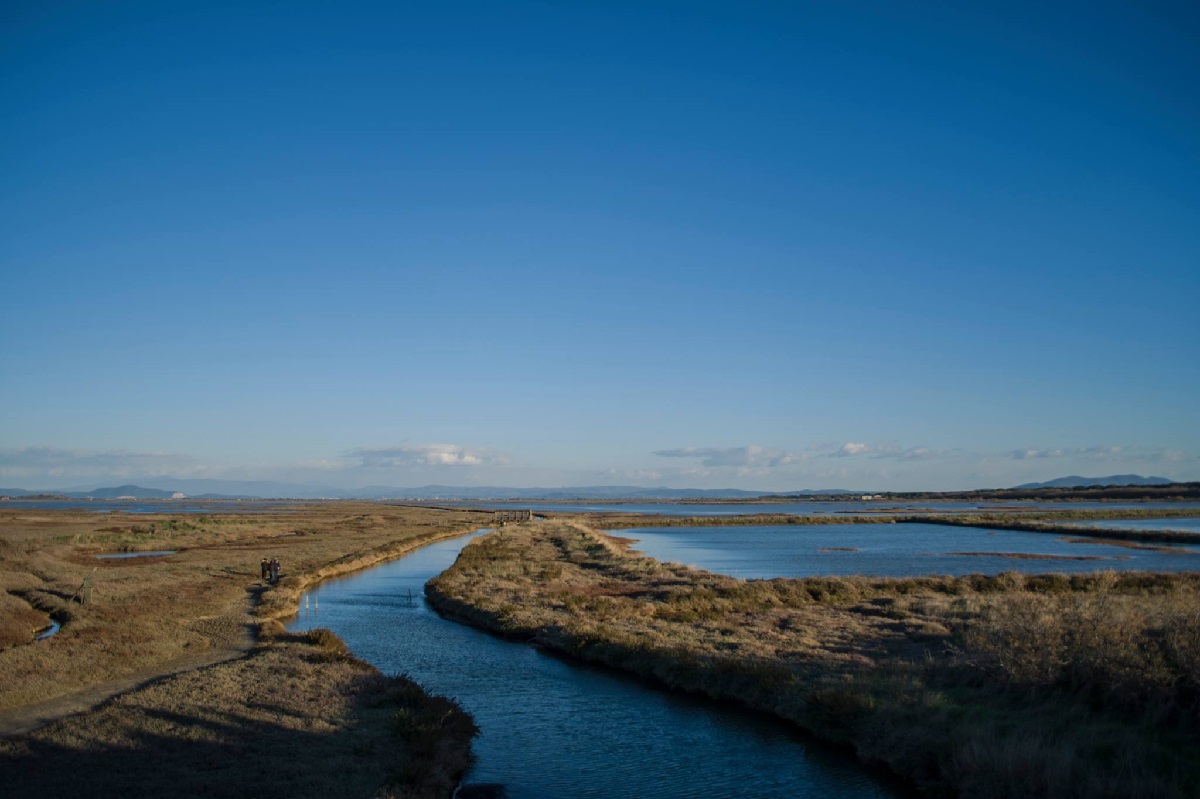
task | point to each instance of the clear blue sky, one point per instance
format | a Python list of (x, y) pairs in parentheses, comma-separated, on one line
[(762, 245)]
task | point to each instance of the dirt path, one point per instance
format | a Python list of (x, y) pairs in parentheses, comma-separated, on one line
[(231, 636), (31, 717), (226, 647)]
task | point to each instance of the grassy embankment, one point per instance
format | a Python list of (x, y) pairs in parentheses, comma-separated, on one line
[(149, 615), (1060, 523), (1005, 686)]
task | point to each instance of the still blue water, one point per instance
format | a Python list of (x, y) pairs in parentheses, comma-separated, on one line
[(49, 631), (887, 550), (553, 729), (1186, 524)]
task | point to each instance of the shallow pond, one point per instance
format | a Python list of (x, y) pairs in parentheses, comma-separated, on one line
[(125, 555), (552, 728), (892, 550), (49, 631)]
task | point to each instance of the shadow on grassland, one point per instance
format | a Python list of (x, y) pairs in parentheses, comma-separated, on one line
[(295, 719)]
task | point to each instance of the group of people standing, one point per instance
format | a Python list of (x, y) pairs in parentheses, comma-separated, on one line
[(270, 569)]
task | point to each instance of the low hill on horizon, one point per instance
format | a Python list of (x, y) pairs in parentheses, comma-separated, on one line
[(250, 489), (1075, 481), (258, 489)]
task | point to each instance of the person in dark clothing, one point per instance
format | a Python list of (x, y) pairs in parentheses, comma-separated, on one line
[(266, 568)]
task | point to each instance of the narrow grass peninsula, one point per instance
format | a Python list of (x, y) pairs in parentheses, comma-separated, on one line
[(1052, 522), (988, 687), (180, 659)]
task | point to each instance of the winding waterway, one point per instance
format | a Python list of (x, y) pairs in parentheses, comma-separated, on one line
[(552, 728)]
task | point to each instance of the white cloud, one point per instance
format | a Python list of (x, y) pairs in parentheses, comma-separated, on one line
[(841, 464), (751, 456), (320, 465), (633, 474), (854, 449), (1098, 453), (25, 462), (425, 455), (918, 454)]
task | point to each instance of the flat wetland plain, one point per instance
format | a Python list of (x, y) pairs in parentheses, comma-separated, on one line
[(210, 695), (176, 677)]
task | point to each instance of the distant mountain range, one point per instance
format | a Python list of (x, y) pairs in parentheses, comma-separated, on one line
[(1075, 481), (114, 492), (238, 489), (261, 489)]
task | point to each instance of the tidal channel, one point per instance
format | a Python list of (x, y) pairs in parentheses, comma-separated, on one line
[(553, 728)]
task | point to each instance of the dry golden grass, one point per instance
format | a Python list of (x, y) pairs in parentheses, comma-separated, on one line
[(147, 612), (299, 718), (1004, 686), (294, 717)]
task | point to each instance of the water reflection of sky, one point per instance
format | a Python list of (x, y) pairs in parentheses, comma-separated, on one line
[(553, 728), (1187, 524), (890, 550)]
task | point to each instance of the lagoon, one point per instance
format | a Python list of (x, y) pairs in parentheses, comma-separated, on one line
[(894, 550)]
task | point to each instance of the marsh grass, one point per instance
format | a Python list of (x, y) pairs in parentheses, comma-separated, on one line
[(1081, 685), (151, 611), (295, 716), (300, 718), (1058, 523)]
